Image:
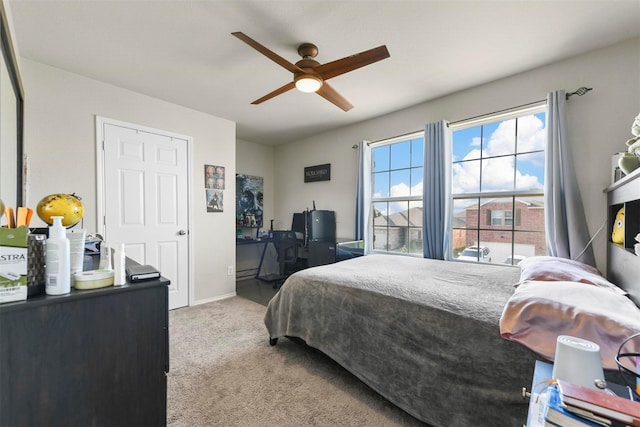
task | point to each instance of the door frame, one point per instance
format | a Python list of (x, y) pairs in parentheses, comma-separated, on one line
[(101, 121)]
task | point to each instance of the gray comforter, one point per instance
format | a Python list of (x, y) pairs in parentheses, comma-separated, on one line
[(422, 333)]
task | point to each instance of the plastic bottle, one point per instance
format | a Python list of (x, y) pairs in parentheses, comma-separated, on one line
[(105, 257), (57, 268), (119, 268)]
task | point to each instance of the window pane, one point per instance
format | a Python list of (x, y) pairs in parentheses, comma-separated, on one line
[(380, 157), (401, 155), (530, 171), (398, 239), (460, 207), (468, 238), (531, 133), (466, 144), (417, 152), (415, 213), (497, 174), (466, 177), (400, 183), (530, 214), (415, 241), (471, 215), (499, 245), (380, 214), (380, 238), (499, 138), (530, 244), (416, 181), (381, 184), (398, 214)]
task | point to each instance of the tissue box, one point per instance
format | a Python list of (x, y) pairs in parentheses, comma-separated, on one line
[(13, 264)]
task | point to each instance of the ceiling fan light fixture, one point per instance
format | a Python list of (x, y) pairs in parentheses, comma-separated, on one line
[(308, 83)]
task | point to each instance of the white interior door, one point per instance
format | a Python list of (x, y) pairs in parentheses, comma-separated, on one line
[(145, 200)]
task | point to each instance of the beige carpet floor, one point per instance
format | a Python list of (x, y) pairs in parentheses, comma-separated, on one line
[(223, 372)]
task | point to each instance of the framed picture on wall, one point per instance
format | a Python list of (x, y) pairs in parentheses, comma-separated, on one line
[(249, 195), (214, 177), (214, 200)]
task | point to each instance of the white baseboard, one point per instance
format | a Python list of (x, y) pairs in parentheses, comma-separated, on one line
[(218, 298)]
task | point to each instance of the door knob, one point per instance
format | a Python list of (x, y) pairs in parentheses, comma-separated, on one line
[(182, 232)]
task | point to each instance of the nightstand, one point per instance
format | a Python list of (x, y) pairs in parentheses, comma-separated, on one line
[(542, 372)]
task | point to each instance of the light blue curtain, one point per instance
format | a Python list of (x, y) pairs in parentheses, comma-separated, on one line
[(363, 195), (566, 228), (436, 189)]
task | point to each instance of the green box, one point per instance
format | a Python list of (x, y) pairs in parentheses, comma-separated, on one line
[(13, 263)]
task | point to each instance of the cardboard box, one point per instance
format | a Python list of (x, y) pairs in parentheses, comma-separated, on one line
[(13, 264)]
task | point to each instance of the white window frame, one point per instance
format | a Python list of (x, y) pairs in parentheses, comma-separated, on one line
[(390, 199), (531, 109)]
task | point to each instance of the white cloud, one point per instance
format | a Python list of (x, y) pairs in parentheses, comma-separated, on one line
[(498, 173)]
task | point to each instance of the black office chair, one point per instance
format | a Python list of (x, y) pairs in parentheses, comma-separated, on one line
[(287, 249)]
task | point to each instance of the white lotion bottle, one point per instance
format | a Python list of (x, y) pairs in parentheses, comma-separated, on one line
[(119, 268), (105, 257), (76, 250), (57, 258)]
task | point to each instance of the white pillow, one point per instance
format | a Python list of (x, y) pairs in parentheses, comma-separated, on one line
[(538, 312), (554, 269)]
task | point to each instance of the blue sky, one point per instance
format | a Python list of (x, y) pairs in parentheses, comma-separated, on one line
[(492, 148), (506, 162)]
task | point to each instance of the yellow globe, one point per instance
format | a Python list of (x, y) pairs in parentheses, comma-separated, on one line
[(67, 206)]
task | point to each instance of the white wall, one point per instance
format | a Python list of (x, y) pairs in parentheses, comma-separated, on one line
[(257, 160), (60, 110), (600, 123)]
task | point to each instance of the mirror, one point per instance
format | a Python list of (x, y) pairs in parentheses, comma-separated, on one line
[(11, 120)]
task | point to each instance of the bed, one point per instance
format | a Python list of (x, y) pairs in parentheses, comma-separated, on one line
[(451, 343), (422, 333)]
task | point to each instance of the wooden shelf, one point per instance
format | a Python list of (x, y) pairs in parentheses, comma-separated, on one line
[(623, 266)]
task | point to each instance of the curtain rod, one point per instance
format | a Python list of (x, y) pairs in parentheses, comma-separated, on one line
[(580, 91)]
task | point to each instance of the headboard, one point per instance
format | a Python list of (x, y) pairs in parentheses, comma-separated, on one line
[(623, 265)]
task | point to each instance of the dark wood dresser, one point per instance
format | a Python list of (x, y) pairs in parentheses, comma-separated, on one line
[(89, 358)]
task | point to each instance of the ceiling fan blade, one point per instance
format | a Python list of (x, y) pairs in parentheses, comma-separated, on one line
[(275, 93), (353, 62), (268, 53), (330, 94)]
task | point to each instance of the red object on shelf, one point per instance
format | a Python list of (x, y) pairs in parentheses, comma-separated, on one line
[(600, 403)]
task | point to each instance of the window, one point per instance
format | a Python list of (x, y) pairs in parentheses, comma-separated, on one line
[(501, 217), (498, 187), (397, 172)]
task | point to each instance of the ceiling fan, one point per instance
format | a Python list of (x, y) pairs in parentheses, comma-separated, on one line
[(311, 76)]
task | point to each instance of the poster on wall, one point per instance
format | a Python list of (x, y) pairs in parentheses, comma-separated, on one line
[(214, 200), (214, 177), (214, 184), (249, 194), (317, 173)]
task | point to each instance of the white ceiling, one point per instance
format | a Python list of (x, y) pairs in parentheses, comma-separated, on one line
[(182, 51)]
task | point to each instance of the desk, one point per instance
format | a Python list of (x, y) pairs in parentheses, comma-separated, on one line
[(263, 241)]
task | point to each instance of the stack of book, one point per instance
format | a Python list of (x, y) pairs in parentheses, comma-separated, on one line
[(569, 405)]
